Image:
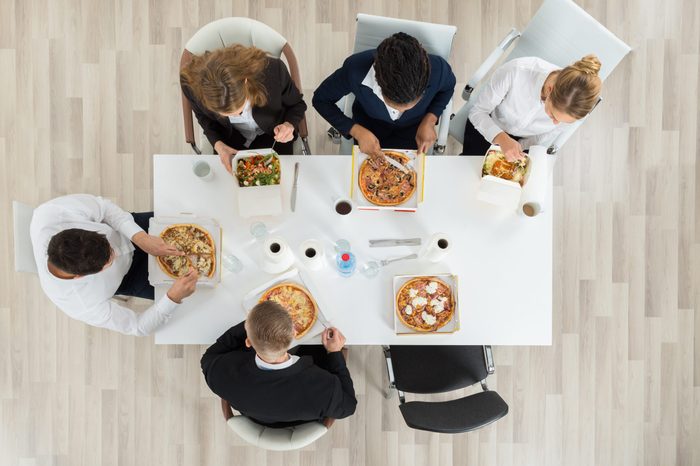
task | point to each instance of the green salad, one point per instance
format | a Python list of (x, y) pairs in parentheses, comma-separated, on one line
[(258, 170)]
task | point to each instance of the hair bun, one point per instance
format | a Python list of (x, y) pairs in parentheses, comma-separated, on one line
[(588, 64)]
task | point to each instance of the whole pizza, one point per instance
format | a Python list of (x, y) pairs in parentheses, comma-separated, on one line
[(298, 302), (425, 304), (387, 185), (198, 246)]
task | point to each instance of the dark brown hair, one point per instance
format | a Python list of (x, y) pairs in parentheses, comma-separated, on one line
[(79, 252), (402, 68)]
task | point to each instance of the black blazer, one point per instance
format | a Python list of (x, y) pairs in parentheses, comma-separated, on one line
[(301, 392), (284, 103)]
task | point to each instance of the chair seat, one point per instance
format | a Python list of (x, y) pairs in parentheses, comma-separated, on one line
[(455, 416), (277, 439), (437, 369)]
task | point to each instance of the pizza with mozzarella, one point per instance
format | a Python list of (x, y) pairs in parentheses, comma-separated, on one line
[(198, 246), (425, 304), (386, 185), (298, 302)]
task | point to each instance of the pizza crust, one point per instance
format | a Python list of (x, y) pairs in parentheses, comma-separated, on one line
[(414, 297), (198, 246), (370, 181), (306, 312)]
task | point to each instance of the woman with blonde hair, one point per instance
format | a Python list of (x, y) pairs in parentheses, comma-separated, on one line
[(243, 99), (529, 101)]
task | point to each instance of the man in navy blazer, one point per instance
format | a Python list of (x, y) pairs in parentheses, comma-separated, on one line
[(400, 93)]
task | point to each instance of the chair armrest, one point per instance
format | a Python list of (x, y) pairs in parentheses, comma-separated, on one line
[(443, 129), (489, 62), (488, 360), (226, 409)]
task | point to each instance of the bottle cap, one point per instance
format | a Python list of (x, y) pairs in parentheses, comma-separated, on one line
[(345, 257)]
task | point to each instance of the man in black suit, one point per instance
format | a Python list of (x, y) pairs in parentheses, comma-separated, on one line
[(249, 367)]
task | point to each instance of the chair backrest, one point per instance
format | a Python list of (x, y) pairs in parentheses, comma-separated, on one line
[(24, 253), (561, 32), (235, 30), (278, 439), (371, 30)]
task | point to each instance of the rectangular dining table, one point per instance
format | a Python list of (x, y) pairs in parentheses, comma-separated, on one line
[(503, 260)]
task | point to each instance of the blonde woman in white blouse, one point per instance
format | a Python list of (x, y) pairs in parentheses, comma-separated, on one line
[(530, 101)]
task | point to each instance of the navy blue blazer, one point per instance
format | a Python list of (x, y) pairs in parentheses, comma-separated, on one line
[(369, 109)]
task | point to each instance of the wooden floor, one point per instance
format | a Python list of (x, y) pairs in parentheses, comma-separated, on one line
[(89, 91)]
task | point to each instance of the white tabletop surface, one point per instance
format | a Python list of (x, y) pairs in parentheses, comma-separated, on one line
[(503, 260)]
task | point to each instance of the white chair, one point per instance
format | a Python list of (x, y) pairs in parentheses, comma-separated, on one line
[(248, 32), (277, 439), (24, 253), (371, 31), (561, 32)]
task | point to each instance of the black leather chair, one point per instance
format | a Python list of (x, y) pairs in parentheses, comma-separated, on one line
[(438, 369)]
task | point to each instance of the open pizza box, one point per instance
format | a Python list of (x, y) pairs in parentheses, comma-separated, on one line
[(410, 205), (296, 276), (255, 201), (450, 327), (497, 191), (156, 275)]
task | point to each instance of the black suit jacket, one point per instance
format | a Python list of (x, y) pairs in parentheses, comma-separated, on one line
[(301, 392), (284, 103)]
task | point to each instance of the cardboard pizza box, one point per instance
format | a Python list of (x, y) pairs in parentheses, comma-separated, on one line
[(410, 205), (497, 191), (451, 327), (256, 201), (156, 275), (293, 275)]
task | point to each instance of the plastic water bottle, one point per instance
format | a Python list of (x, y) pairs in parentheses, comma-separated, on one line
[(345, 260)]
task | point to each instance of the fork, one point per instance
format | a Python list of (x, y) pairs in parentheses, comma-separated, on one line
[(384, 262)]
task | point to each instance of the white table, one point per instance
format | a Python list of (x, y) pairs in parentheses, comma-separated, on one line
[(503, 260)]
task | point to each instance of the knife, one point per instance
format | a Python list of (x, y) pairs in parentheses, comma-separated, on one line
[(378, 243), (396, 164), (294, 186)]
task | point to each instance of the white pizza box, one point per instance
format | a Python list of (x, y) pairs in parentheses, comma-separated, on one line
[(452, 326), (255, 201), (156, 275), (293, 275), (497, 191), (410, 205)]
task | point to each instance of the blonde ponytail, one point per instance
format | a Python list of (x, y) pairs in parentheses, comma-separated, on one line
[(224, 79), (577, 87)]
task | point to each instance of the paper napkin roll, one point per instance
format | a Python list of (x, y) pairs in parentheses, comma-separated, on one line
[(311, 253), (277, 255), (535, 190), (436, 248)]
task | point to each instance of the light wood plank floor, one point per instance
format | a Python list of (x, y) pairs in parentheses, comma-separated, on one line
[(89, 91)]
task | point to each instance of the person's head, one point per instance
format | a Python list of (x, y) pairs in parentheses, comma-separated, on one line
[(270, 330), (574, 91), (402, 70), (79, 252), (224, 79)]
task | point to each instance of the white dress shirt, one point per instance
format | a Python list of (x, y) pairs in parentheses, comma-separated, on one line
[(371, 82), (266, 366), (246, 125), (87, 298), (511, 102)]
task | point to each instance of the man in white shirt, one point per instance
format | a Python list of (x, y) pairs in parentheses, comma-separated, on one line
[(85, 254)]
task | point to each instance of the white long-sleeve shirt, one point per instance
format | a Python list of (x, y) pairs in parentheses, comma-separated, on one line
[(511, 102), (88, 298)]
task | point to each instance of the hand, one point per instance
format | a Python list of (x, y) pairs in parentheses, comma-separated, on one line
[(509, 146), (183, 286), (226, 154), (332, 339), (369, 144), (284, 132), (154, 245), (426, 135)]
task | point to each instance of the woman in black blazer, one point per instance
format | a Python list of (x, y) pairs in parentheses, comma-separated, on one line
[(243, 99)]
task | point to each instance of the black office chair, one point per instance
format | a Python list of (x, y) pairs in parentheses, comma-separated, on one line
[(438, 369)]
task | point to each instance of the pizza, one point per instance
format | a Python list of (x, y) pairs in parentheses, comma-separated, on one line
[(298, 302), (425, 304), (198, 246), (387, 185), (497, 165)]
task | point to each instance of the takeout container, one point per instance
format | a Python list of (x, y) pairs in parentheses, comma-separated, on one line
[(410, 205), (256, 201), (451, 327), (156, 225), (497, 191), (291, 276)]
